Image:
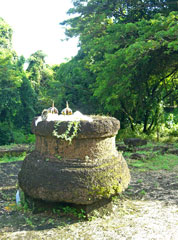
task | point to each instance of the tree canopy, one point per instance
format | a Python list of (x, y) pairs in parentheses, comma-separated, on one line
[(72, 83), (16, 93), (5, 34), (132, 48)]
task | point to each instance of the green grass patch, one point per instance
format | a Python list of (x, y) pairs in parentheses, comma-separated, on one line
[(175, 144), (13, 146), (127, 154), (7, 147), (148, 145), (158, 162), (139, 180), (8, 159), (144, 152)]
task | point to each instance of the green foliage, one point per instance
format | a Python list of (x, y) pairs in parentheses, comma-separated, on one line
[(6, 135), (19, 137), (70, 211), (158, 162), (142, 192), (165, 133), (9, 159), (114, 10), (80, 214), (58, 156), (10, 82), (39, 74), (137, 88), (36, 65), (12, 135), (16, 94), (30, 138), (139, 181), (17, 105), (26, 110), (71, 83), (5, 35), (123, 57)]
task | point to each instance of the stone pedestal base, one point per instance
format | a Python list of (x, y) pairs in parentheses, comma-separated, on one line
[(73, 181)]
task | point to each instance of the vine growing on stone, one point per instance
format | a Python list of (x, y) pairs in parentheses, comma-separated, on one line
[(70, 133)]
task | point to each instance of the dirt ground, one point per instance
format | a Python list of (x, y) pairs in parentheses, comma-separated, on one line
[(147, 210)]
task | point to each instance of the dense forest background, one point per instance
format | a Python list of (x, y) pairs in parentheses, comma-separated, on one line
[(126, 67)]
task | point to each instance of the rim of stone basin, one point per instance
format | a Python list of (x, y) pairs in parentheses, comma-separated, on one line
[(101, 126)]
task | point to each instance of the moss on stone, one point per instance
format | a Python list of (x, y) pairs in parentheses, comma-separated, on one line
[(110, 181)]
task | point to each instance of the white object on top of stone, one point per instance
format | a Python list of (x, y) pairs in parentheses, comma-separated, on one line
[(77, 116)]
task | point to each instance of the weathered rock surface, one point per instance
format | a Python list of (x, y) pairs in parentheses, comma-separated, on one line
[(100, 127), (72, 181), (83, 172)]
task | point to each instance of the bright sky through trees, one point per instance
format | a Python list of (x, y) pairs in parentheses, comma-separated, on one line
[(35, 24)]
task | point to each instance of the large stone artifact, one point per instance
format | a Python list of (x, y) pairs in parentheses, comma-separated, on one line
[(74, 162)]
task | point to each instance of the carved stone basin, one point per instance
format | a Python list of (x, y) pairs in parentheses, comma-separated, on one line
[(81, 172)]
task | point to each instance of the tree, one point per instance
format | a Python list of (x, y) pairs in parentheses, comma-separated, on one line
[(10, 81), (28, 98), (5, 35), (40, 75), (89, 11), (72, 83), (36, 65), (123, 42), (140, 69), (16, 94)]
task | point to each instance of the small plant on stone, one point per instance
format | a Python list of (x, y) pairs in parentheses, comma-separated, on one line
[(56, 211), (29, 222), (139, 181), (51, 221), (142, 192), (70, 211), (80, 214), (58, 156)]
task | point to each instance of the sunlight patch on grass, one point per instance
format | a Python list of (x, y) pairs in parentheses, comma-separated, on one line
[(159, 162), (8, 159), (12, 145)]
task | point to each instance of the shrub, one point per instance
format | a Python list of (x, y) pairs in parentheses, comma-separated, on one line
[(6, 135), (20, 137)]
